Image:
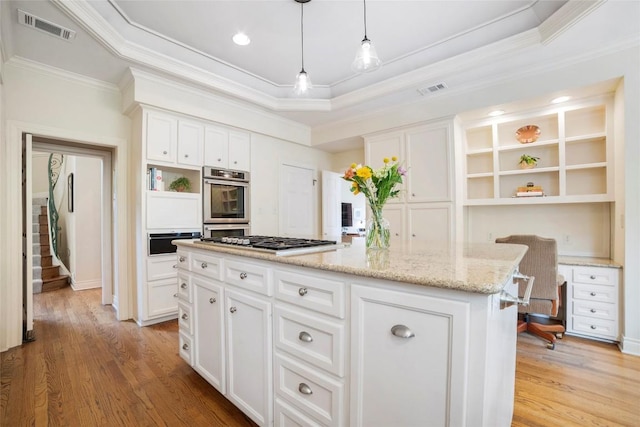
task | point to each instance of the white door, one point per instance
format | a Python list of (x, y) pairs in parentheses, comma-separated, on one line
[(297, 202), (331, 205), (209, 358), (249, 350), (27, 244)]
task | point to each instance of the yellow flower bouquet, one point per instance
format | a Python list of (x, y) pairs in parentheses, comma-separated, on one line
[(378, 186)]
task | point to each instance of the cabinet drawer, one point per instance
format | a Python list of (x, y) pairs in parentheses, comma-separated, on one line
[(185, 288), (315, 293), (186, 347), (183, 260), (162, 299), (314, 393), (253, 277), (161, 267), (595, 309), (595, 276), (598, 293), (173, 210), (316, 341), (207, 265), (185, 318), (594, 326), (287, 416)]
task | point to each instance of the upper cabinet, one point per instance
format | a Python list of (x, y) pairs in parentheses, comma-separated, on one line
[(227, 149), (574, 148), (173, 141)]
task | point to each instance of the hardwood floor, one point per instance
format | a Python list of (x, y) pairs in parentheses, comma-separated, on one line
[(86, 369)]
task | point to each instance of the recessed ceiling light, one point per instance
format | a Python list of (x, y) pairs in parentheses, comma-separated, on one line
[(496, 113), (241, 39), (560, 99)]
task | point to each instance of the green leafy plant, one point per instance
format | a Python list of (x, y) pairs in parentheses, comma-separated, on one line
[(180, 184), (529, 160)]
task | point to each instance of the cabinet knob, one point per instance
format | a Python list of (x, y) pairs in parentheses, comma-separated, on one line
[(204, 265), (181, 259), (302, 291), (593, 294), (413, 194), (397, 234), (185, 346), (592, 277), (243, 275), (593, 310), (183, 285), (175, 295), (185, 316), (402, 331), (235, 162), (186, 156), (164, 152), (219, 159), (212, 300), (413, 235), (175, 265), (305, 336), (233, 309), (593, 326), (305, 389)]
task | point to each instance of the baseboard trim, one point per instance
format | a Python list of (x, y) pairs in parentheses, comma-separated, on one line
[(630, 346), (86, 284)]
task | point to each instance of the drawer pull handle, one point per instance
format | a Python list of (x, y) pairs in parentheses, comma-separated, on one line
[(593, 310), (305, 389), (592, 277), (186, 156), (185, 316), (185, 346), (183, 286), (593, 327), (175, 265), (181, 259), (175, 295), (593, 294), (302, 291), (164, 152), (402, 331), (212, 300), (305, 336), (204, 265), (233, 309), (243, 275)]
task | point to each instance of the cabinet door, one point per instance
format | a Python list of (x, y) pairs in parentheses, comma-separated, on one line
[(216, 147), (161, 137), (171, 210), (415, 376), (395, 215), (249, 351), (190, 142), (209, 358), (389, 145), (431, 223), (429, 164), (239, 151)]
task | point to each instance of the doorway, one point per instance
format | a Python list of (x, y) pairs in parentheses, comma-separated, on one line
[(86, 246), (297, 201)]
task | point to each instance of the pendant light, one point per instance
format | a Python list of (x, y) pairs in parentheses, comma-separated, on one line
[(303, 83), (366, 56)]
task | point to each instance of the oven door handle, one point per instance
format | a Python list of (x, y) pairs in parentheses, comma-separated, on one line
[(230, 182)]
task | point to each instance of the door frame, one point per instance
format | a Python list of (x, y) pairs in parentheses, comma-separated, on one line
[(11, 224)]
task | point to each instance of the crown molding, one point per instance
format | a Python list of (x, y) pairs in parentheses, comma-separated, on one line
[(566, 17)]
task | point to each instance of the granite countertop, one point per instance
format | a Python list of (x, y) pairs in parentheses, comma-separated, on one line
[(588, 261), (477, 268)]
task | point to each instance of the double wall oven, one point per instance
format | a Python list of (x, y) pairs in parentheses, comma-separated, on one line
[(225, 198)]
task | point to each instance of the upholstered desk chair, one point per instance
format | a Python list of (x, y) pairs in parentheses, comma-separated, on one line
[(540, 261)]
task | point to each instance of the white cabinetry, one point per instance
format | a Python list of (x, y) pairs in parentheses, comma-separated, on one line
[(399, 346), (209, 358), (574, 147), (227, 149), (172, 140), (592, 301), (424, 210)]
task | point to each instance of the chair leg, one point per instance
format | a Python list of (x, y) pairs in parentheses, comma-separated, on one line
[(546, 332)]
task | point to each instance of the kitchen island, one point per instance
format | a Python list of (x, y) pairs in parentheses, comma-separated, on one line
[(414, 335)]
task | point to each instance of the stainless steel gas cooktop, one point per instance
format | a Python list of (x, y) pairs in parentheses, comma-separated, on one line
[(275, 245)]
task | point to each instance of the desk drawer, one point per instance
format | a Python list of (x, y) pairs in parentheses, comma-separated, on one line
[(594, 326), (597, 293), (314, 393), (312, 292), (314, 340), (595, 309), (594, 276)]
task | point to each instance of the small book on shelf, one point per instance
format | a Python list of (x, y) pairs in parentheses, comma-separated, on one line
[(156, 183), (529, 194)]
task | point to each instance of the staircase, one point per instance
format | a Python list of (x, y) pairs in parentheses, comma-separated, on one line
[(46, 276)]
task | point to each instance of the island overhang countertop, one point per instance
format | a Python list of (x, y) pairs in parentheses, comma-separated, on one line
[(469, 267)]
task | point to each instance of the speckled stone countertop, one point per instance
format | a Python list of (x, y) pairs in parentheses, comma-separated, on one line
[(588, 261), (477, 268)]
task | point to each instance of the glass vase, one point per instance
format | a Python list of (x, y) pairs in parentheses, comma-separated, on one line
[(378, 234)]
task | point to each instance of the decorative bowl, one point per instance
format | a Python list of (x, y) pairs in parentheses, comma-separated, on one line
[(527, 134)]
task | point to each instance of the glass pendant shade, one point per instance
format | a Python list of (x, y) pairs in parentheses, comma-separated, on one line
[(303, 83), (366, 58)]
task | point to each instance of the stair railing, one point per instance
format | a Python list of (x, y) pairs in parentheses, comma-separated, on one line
[(55, 166)]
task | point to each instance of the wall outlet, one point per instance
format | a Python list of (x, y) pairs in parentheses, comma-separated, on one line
[(566, 238)]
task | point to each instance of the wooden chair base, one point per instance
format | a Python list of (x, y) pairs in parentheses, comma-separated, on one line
[(546, 332)]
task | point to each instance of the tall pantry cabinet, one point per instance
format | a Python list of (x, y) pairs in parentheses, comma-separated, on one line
[(425, 209)]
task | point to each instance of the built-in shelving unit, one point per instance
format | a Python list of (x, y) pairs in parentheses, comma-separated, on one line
[(576, 161)]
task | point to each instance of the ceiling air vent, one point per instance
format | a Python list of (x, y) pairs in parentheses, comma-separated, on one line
[(432, 89), (33, 21)]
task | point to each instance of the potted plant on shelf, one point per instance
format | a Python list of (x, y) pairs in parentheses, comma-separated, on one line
[(528, 162), (180, 184)]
